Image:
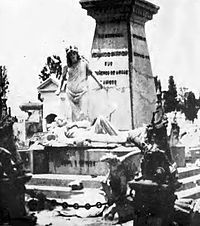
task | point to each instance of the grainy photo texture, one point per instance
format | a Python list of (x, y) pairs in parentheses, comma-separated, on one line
[(99, 113)]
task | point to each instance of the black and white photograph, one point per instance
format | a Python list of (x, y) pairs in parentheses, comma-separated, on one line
[(99, 113)]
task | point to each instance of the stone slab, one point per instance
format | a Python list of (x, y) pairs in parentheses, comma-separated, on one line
[(190, 182), (193, 193), (188, 171), (64, 180)]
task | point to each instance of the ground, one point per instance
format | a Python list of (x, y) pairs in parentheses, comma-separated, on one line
[(51, 218), (72, 217)]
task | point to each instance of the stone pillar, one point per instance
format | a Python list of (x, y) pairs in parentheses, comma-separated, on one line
[(121, 59)]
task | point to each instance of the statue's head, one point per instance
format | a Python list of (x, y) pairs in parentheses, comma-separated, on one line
[(72, 55), (71, 48)]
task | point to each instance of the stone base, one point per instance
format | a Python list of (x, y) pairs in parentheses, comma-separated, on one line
[(73, 160)]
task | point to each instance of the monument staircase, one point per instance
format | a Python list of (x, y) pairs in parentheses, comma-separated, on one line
[(189, 176), (57, 185)]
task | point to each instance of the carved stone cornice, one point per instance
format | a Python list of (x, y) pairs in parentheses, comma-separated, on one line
[(120, 10)]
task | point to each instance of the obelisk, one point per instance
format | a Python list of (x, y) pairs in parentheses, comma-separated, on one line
[(121, 60)]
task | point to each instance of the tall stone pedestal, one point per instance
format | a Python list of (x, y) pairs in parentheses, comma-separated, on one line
[(121, 60)]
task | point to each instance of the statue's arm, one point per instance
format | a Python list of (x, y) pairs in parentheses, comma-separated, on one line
[(93, 74)]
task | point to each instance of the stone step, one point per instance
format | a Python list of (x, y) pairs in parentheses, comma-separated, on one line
[(189, 182), (94, 182), (189, 193), (64, 180), (188, 171), (51, 191), (60, 193), (56, 185)]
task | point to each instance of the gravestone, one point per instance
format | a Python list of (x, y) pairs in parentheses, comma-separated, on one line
[(120, 59)]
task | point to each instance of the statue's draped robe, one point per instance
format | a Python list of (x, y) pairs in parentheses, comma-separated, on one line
[(77, 89)]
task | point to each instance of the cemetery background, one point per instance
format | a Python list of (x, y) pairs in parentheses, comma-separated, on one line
[(195, 129)]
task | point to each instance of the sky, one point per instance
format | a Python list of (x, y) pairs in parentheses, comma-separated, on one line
[(32, 30)]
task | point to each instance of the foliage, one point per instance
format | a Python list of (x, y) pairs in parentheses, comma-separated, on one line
[(3, 91), (198, 103), (170, 96), (190, 107), (188, 104), (181, 98), (3, 81), (158, 88), (52, 66)]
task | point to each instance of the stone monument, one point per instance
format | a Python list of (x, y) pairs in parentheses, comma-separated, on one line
[(120, 58)]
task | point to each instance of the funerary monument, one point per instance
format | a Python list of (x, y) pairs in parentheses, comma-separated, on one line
[(121, 60)]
